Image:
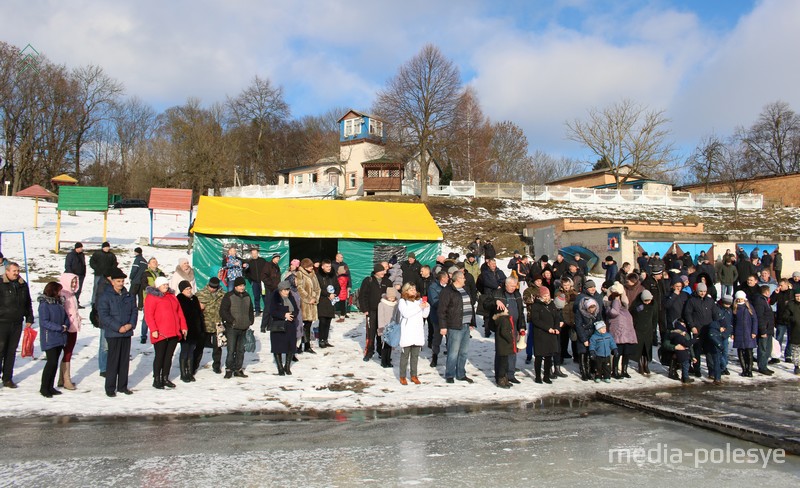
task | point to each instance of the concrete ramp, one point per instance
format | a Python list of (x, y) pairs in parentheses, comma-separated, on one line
[(768, 414)]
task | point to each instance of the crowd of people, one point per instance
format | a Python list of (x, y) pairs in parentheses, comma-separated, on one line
[(551, 310)]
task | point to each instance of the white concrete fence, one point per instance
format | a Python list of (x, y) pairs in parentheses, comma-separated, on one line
[(539, 193)]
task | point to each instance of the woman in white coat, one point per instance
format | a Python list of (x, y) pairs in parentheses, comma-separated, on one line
[(413, 312)]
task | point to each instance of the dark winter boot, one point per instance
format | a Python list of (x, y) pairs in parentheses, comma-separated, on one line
[(624, 372), (584, 370), (167, 382), (279, 362), (742, 361), (158, 383), (558, 373), (537, 365), (641, 366), (184, 373), (749, 360), (386, 357), (548, 363), (615, 367), (646, 364), (434, 360), (190, 368), (287, 366), (308, 348), (673, 369)]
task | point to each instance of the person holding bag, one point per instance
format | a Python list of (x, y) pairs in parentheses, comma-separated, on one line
[(413, 311), (53, 322), (283, 327)]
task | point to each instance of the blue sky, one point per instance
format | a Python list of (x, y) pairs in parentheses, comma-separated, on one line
[(711, 65)]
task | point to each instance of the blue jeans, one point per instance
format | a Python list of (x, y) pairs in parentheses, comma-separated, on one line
[(457, 348), (144, 329), (714, 362), (529, 342), (780, 334), (102, 352), (258, 298), (727, 290), (723, 361), (685, 369), (764, 351)]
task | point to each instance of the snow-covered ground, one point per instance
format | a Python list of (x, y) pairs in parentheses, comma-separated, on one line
[(333, 379)]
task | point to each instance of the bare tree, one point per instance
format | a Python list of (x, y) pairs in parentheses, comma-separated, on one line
[(256, 116), (626, 134), (774, 139), (134, 123), (97, 93), (545, 168), (509, 160), (420, 101), (705, 159), (468, 143), (735, 170)]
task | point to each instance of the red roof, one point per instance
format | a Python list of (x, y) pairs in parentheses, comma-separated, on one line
[(170, 199), (35, 191)]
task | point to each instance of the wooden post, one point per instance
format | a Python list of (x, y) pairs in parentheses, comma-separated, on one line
[(105, 225), (36, 213), (58, 230)]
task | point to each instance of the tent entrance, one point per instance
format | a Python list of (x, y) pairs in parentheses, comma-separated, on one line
[(315, 249)]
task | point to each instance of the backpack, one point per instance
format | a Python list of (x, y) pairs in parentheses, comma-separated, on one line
[(93, 317)]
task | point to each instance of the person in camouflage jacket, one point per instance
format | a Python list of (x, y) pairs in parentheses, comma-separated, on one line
[(210, 299)]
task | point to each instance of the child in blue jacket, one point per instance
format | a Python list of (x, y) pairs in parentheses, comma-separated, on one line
[(601, 348)]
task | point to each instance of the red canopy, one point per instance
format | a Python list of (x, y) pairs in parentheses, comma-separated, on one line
[(170, 199), (35, 191)]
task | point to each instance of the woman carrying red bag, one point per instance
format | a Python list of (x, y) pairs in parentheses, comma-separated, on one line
[(163, 311)]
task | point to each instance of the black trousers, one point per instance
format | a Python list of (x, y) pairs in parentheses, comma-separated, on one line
[(324, 328), (50, 368), (119, 360), (602, 366), (162, 363), (372, 332), (138, 293), (80, 288), (501, 366), (235, 359), (9, 341)]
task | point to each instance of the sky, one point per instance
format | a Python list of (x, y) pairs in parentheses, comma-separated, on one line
[(711, 65)]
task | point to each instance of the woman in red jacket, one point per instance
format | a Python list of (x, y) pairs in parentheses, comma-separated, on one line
[(164, 317)]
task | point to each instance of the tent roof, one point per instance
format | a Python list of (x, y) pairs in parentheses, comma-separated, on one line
[(274, 217), (64, 178), (170, 199), (35, 191)]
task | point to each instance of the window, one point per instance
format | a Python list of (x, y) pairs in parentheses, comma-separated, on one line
[(352, 127), (375, 128), (373, 173), (351, 180), (357, 127), (313, 177), (298, 179)]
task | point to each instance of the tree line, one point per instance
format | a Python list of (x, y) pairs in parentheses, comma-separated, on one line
[(81, 121)]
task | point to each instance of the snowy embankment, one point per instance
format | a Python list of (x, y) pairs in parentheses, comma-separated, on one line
[(333, 379)]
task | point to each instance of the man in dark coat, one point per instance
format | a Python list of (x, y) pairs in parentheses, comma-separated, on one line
[(652, 283), (490, 279), (698, 314), (411, 268), (456, 316), (674, 303), (560, 266), (270, 278), (117, 313), (434, 337), (369, 297), (583, 267), (488, 250), (75, 263), (777, 264), (15, 307), (137, 271), (766, 328), (329, 290), (236, 312), (645, 313), (102, 263), (506, 300), (255, 270)]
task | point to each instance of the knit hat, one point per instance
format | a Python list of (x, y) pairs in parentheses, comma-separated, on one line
[(684, 278), (740, 294), (391, 293), (560, 301), (183, 285), (452, 269), (412, 255), (276, 255), (656, 269), (727, 299), (543, 290), (796, 274), (117, 274), (161, 281), (544, 258), (377, 268), (646, 295), (284, 285), (138, 250), (78, 245), (238, 281), (599, 325), (701, 287), (106, 244), (213, 282), (589, 284)]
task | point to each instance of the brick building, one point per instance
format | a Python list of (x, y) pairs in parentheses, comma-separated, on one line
[(776, 189)]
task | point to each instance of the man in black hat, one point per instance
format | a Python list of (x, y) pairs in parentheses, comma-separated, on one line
[(116, 310), (369, 297), (102, 262), (75, 263), (236, 311), (137, 271)]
